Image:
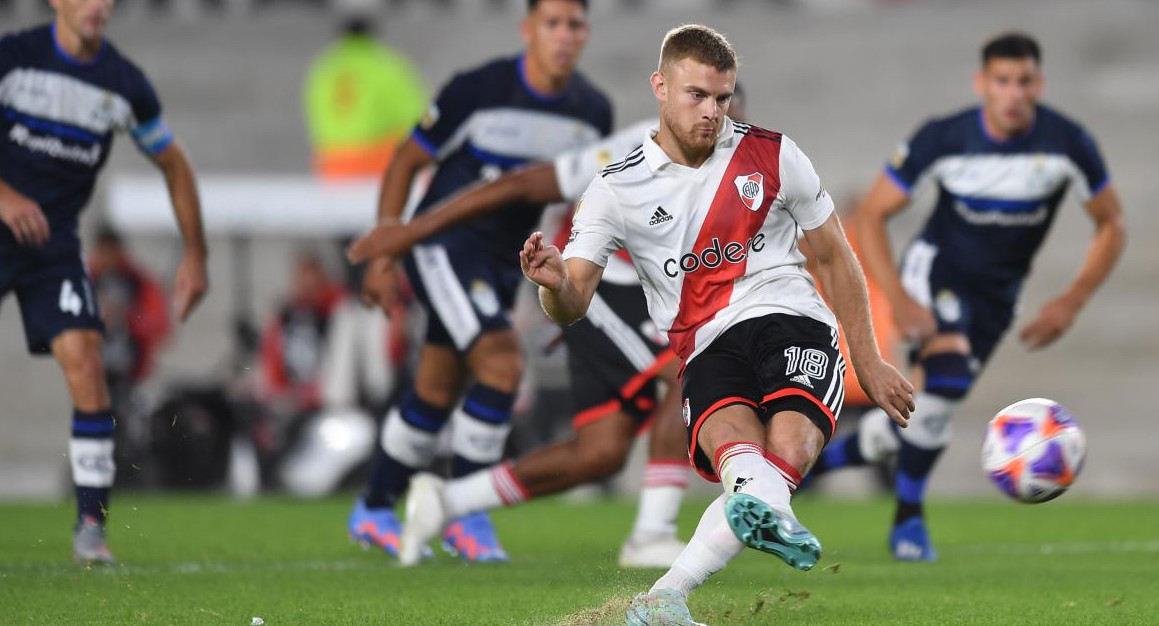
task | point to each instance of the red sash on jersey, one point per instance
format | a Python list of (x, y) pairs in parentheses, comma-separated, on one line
[(733, 216)]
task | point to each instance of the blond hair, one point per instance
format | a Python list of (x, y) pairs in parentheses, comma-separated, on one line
[(699, 43)]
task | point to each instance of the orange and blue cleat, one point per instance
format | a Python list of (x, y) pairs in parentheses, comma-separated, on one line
[(472, 538), (374, 527)]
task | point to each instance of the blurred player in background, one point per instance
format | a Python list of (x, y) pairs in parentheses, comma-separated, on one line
[(508, 112), (762, 374), (64, 92), (361, 98), (1002, 170), (134, 313), (615, 358), (294, 341)]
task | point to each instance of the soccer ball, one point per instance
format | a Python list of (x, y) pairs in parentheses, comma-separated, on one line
[(1033, 450)]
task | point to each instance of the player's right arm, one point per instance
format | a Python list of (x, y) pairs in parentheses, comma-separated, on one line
[(435, 136), (380, 285), (19, 212), (888, 196), (23, 216), (565, 287), (567, 281), (914, 321)]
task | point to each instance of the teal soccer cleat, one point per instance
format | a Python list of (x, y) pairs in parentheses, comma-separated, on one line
[(762, 527)]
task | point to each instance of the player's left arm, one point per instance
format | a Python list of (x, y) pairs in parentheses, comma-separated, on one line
[(192, 280), (155, 140), (812, 208), (1105, 249), (844, 282)]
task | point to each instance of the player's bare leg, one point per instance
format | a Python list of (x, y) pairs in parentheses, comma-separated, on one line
[(653, 541), (754, 509), (78, 352), (597, 451)]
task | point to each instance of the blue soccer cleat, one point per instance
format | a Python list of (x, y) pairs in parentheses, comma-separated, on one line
[(472, 538), (910, 541), (375, 527), (763, 528), (663, 607)]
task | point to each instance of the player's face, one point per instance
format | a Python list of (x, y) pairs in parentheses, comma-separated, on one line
[(1010, 89), (694, 98), (555, 34), (85, 18)]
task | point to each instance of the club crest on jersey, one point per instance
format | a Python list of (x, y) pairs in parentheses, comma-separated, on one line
[(751, 188)]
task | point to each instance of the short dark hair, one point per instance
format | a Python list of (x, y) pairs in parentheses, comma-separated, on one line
[(1013, 45), (700, 43), (531, 4)]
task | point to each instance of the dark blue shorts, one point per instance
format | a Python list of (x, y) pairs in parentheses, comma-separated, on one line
[(464, 290), (53, 291), (980, 310)]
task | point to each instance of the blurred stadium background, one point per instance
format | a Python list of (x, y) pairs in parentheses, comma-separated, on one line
[(848, 79)]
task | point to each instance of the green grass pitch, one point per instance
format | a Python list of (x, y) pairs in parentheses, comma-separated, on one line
[(207, 560)]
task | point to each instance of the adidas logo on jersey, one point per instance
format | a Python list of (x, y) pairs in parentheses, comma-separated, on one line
[(659, 217), (802, 379)]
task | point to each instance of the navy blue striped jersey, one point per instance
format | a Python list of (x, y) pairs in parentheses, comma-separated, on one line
[(997, 199), (57, 119), (488, 120)]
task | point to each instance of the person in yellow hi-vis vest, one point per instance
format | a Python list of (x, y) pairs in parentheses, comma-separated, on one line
[(360, 98)]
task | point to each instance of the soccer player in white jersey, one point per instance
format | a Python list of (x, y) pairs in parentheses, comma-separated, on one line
[(1002, 170), (724, 277), (615, 360)]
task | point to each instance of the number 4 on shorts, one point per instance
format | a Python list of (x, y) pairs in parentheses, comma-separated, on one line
[(70, 300)]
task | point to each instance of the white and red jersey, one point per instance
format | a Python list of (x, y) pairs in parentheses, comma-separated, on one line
[(574, 172), (713, 245)]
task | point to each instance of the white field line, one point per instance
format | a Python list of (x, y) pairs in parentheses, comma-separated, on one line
[(193, 568)]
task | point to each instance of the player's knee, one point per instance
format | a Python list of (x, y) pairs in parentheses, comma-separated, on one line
[(501, 368), (948, 374), (82, 368), (603, 461), (876, 439), (930, 426)]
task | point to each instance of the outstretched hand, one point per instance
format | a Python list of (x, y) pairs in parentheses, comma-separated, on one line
[(190, 285), (1054, 319), (380, 285), (889, 390), (542, 265)]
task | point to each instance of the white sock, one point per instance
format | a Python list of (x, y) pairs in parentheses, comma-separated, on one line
[(664, 485), (745, 467), (484, 490), (712, 546)]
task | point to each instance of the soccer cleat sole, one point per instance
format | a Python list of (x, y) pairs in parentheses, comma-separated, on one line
[(760, 527)]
